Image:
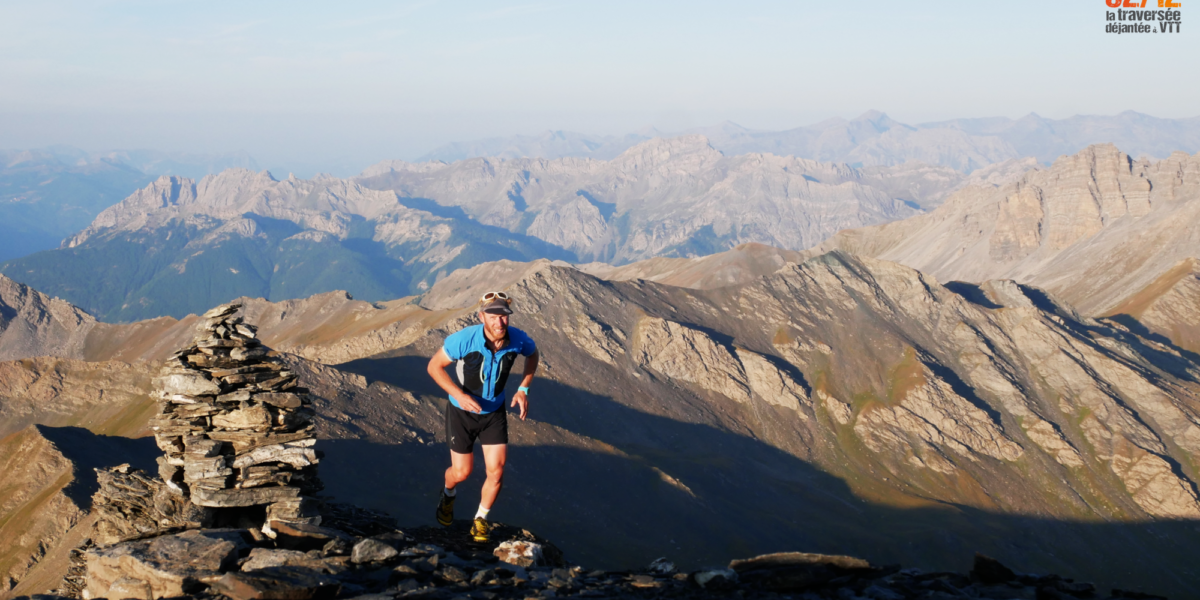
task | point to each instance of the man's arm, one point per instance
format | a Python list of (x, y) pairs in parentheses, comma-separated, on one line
[(519, 398), (437, 370)]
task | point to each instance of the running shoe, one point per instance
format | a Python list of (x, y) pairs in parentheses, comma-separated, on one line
[(481, 530), (445, 510)]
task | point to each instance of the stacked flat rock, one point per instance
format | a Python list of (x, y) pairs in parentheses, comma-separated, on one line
[(234, 424)]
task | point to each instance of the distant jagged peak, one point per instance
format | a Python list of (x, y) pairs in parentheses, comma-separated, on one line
[(240, 175), (657, 151), (392, 166), (1002, 173), (871, 115), (880, 120), (724, 127), (1092, 154), (650, 131), (739, 265), (557, 135)]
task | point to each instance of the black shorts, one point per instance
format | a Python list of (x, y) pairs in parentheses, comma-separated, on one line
[(463, 428)]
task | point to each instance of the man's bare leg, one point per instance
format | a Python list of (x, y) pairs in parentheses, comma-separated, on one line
[(460, 467), (494, 457)]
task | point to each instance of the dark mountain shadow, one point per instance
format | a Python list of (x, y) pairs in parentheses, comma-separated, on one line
[(432, 207), (275, 229), (404, 371), (606, 208), (703, 242), (792, 370), (1132, 324), (971, 293), (498, 241), (91, 451), (1040, 298), (1181, 368), (645, 486), (517, 199), (962, 388)]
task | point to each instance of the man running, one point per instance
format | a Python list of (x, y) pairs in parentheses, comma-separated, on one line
[(485, 354)]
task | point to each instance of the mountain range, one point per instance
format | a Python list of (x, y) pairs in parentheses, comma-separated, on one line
[(1006, 363), (47, 194), (180, 245), (873, 138)]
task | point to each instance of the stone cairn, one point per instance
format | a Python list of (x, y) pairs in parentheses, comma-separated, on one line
[(236, 427)]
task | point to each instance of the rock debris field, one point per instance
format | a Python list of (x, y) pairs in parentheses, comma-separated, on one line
[(381, 562)]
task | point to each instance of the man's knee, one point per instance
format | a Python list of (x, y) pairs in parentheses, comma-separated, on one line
[(460, 473), (495, 472)]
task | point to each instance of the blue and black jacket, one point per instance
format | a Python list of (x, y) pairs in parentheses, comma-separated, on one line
[(481, 372)]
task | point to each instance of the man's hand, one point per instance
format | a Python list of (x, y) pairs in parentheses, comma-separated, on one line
[(519, 399), (437, 370), (468, 403)]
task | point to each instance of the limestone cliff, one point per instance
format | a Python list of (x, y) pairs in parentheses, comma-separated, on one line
[(1094, 228)]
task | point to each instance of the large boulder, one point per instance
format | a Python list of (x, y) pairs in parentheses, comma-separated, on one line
[(170, 565), (798, 571)]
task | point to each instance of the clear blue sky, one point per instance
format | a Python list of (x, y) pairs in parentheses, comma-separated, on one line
[(345, 84)]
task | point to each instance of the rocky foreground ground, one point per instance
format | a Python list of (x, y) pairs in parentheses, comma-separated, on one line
[(359, 553)]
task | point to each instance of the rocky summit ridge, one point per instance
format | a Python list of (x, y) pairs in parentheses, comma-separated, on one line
[(147, 546)]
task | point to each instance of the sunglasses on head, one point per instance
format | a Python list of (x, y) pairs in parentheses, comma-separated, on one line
[(488, 297)]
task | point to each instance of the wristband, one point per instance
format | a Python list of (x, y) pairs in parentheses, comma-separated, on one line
[(523, 389)]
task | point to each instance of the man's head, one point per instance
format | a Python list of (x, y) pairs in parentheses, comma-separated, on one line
[(493, 313)]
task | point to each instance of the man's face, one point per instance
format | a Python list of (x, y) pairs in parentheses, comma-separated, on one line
[(496, 325)]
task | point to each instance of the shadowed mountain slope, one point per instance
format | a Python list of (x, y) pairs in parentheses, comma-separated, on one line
[(1168, 307), (45, 497), (1093, 229), (110, 398)]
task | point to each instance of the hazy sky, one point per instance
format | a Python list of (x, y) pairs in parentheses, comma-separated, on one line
[(339, 85)]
